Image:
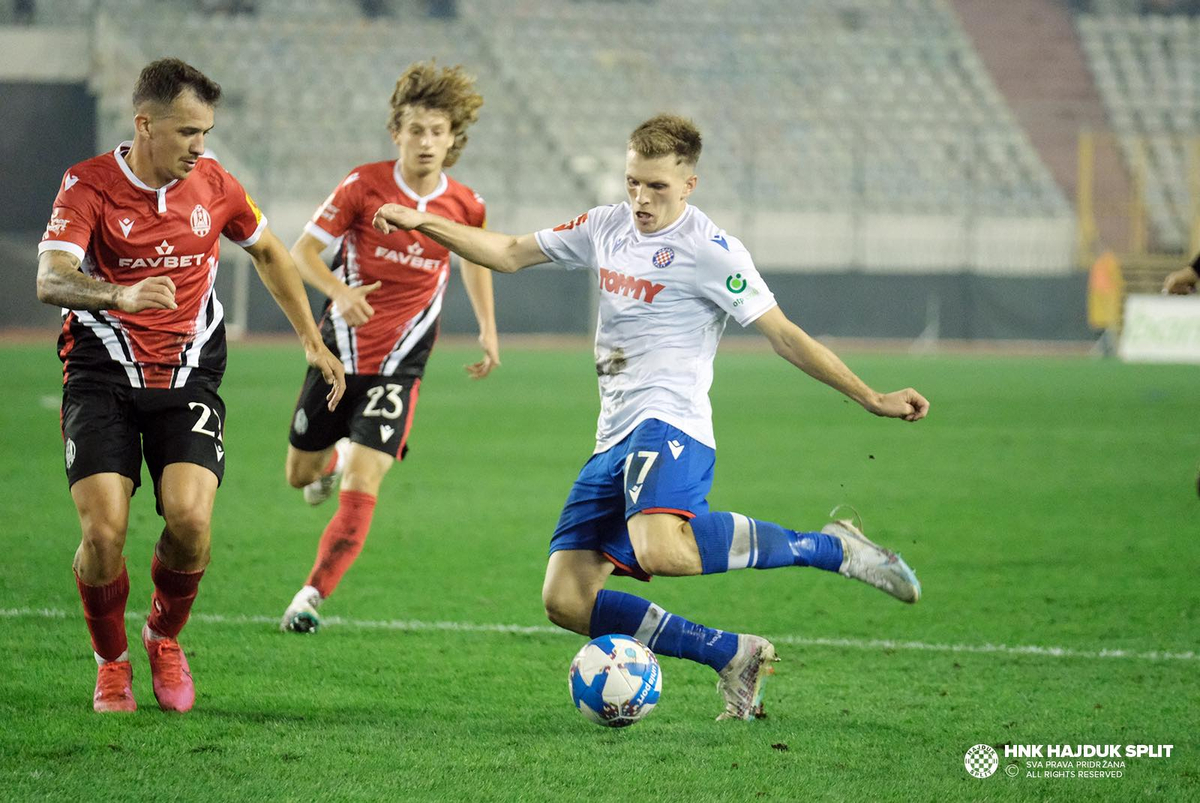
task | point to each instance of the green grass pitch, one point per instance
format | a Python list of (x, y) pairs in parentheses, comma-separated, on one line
[(1045, 503)]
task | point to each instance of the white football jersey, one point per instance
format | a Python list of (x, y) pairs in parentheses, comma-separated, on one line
[(664, 300)]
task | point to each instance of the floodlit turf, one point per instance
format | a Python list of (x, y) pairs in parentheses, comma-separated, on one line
[(1045, 503)]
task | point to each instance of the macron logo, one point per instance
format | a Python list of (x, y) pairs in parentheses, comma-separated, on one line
[(386, 432), (720, 240), (676, 448), (220, 452), (125, 225), (634, 492), (69, 181)]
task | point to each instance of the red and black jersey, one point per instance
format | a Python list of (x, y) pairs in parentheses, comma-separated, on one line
[(123, 231), (413, 268)]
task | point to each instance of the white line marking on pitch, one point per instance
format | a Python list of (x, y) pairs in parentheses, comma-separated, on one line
[(416, 625)]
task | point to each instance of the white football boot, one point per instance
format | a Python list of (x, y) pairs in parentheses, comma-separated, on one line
[(863, 559), (321, 488), (741, 681), (301, 616)]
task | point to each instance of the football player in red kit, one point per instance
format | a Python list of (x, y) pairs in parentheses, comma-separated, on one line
[(382, 316), (131, 253)]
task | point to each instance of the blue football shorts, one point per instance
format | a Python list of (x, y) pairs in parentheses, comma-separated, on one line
[(657, 468)]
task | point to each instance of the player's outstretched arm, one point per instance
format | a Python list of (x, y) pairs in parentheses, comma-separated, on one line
[(61, 283), (351, 302), (478, 283), (278, 272), (499, 252), (1183, 281), (794, 345)]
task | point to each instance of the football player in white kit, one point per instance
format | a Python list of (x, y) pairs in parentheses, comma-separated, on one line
[(669, 278)]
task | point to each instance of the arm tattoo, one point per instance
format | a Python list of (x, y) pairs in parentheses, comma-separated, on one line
[(61, 283)]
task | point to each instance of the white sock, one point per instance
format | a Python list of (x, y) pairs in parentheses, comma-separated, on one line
[(102, 661)]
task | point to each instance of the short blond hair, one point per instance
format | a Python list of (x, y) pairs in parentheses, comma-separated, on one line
[(445, 89), (666, 134)]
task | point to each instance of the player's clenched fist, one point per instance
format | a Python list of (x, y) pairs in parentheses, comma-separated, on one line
[(157, 292), (394, 217), (906, 404)]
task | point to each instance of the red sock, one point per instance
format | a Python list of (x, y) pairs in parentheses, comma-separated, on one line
[(174, 593), (342, 540), (104, 610)]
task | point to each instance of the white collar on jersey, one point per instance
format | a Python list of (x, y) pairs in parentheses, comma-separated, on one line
[(161, 192), (684, 215), (422, 200)]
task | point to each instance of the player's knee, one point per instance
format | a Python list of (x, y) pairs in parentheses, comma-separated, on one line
[(365, 482), (298, 474), (296, 479), (366, 471), (557, 606), (188, 525), (566, 609), (104, 537)]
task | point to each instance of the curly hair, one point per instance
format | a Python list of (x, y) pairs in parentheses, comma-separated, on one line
[(445, 89), (666, 134)]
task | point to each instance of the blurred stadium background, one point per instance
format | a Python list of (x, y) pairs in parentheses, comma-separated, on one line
[(902, 169)]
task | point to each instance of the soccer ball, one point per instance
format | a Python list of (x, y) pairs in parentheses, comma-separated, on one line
[(615, 681)]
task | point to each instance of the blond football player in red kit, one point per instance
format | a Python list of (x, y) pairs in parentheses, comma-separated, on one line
[(385, 297)]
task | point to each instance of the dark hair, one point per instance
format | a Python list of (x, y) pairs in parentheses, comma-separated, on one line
[(667, 134), (162, 81)]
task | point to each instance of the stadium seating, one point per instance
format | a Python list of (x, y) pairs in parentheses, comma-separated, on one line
[(809, 105), (870, 131), (1147, 69), (309, 98)]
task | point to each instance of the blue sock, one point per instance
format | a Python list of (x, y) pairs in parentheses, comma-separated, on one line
[(618, 613), (729, 541)]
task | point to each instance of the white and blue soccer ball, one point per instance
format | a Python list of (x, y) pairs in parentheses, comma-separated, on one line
[(615, 681)]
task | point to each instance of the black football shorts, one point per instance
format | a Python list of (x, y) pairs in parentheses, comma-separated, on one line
[(376, 411), (109, 428)]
